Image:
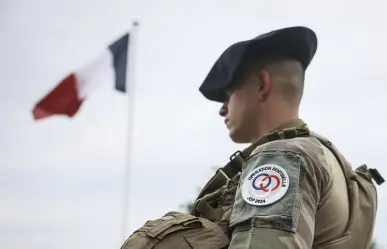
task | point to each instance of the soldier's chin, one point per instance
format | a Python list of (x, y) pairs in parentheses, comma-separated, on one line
[(238, 137)]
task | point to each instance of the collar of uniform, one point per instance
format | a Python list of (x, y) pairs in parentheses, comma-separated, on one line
[(294, 123)]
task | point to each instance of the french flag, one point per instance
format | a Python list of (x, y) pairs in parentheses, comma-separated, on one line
[(68, 95)]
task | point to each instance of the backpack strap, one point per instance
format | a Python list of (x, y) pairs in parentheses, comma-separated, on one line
[(347, 170), (227, 172)]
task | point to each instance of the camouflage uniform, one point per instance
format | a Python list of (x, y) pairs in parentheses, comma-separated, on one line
[(315, 212)]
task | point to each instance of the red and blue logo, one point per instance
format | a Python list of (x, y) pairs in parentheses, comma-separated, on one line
[(265, 185), (265, 178)]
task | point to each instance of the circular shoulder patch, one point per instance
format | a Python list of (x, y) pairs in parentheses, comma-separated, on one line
[(265, 185)]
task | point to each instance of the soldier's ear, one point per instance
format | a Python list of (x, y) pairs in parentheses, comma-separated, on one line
[(264, 79)]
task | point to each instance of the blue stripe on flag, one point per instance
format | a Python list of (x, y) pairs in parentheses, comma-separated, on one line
[(119, 51)]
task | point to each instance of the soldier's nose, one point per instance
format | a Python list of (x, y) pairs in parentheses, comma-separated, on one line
[(223, 111)]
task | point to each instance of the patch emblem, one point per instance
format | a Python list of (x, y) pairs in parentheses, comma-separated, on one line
[(265, 185)]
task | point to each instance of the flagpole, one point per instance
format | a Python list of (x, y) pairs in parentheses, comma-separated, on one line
[(130, 89)]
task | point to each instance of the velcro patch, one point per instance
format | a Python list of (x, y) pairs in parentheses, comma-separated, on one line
[(265, 185), (269, 191)]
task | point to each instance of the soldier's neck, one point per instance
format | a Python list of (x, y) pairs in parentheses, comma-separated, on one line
[(278, 120)]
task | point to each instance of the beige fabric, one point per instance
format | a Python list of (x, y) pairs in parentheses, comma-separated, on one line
[(333, 214), (177, 230)]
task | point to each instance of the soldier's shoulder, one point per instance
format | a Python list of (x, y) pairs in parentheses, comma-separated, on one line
[(305, 146), (309, 150)]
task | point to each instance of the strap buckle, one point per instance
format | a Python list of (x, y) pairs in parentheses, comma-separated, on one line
[(289, 133), (378, 178), (235, 154), (227, 178)]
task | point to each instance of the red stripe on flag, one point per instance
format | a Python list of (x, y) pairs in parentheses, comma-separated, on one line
[(62, 100)]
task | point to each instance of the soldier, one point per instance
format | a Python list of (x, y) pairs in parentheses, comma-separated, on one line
[(291, 188), (293, 193)]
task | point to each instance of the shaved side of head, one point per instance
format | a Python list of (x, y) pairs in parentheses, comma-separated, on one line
[(287, 75)]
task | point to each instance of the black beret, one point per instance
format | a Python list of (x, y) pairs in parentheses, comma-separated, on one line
[(298, 42)]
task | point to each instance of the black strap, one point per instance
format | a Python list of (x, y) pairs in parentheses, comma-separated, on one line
[(378, 178)]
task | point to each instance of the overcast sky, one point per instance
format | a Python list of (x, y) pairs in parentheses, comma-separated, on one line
[(61, 180)]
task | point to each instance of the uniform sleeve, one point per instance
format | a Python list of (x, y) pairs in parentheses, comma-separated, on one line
[(276, 201)]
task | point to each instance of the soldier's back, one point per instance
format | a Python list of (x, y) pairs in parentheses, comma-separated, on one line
[(346, 216)]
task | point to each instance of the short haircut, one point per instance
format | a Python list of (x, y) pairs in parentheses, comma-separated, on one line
[(288, 69)]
